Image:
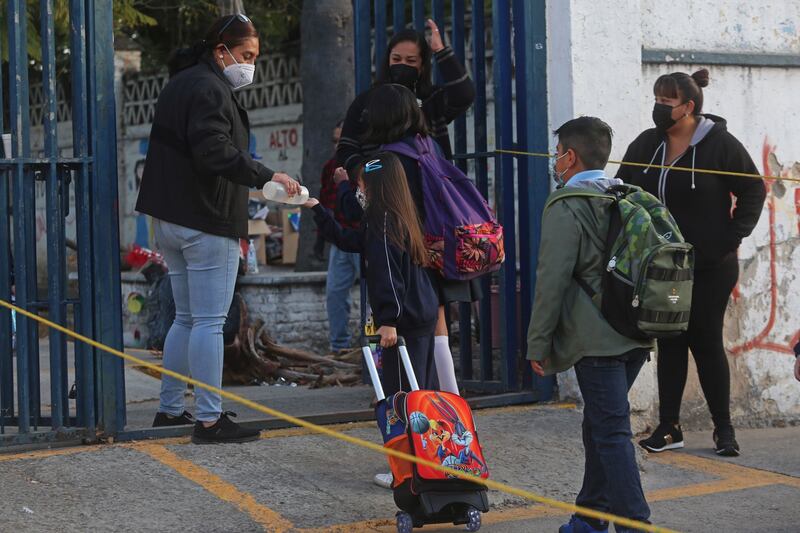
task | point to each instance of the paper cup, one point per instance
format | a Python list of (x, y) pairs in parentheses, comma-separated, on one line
[(7, 145)]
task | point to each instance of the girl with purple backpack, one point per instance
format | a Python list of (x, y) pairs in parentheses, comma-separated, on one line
[(391, 242), (393, 116)]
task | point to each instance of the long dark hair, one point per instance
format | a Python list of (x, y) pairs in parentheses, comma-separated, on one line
[(235, 32), (681, 85), (393, 113), (424, 84), (390, 205)]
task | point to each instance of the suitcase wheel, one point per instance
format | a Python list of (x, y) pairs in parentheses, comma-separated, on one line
[(405, 524), (474, 517)]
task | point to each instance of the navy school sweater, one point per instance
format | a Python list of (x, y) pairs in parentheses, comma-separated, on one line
[(399, 291)]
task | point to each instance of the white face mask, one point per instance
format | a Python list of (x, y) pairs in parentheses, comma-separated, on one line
[(362, 198), (239, 74), (559, 176)]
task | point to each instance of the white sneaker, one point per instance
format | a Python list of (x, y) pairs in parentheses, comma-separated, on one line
[(383, 480)]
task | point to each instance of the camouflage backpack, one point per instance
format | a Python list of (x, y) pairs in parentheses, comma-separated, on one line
[(647, 286)]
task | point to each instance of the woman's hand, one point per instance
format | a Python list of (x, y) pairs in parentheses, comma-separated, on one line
[(388, 336), (435, 40), (291, 185), (311, 203), (339, 175)]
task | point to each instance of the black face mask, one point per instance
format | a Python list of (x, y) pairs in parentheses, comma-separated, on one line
[(662, 117), (403, 74)]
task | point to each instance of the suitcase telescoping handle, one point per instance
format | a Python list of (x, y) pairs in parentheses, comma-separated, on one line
[(373, 372)]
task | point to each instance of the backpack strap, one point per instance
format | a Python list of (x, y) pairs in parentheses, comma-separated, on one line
[(574, 192), (402, 148), (613, 229)]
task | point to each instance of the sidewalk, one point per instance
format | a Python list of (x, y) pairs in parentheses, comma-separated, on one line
[(292, 480)]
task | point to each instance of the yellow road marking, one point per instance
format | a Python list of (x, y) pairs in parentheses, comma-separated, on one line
[(724, 469), (270, 434), (733, 477), (41, 454), (264, 516)]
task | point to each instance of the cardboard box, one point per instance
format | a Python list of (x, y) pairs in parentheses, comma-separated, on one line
[(258, 227), (290, 223), (258, 230)]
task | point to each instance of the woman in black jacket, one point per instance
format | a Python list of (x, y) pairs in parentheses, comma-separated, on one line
[(195, 185), (701, 204), (408, 62)]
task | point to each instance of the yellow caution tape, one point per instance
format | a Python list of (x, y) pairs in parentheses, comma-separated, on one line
[(567, 507), (686, 169)]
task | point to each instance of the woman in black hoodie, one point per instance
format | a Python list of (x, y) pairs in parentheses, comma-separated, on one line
[(701, 203)]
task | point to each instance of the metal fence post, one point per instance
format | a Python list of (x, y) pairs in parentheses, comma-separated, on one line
[(20, 126), (482, 172), (56, 255), (85, 356), (504, 176), (6, 355), (105, 229), (538, 136)]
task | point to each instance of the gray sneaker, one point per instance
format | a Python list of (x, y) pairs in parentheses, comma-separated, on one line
[(383, 480)]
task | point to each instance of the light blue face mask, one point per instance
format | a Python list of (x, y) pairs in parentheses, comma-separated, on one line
[(558, 177)]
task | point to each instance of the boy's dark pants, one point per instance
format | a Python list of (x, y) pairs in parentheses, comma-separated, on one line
[(611, 477), (420, 351)]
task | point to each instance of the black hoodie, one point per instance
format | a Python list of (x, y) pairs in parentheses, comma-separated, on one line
[(700, 201)]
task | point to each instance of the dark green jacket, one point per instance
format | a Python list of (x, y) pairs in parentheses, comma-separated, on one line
[(566, 325)]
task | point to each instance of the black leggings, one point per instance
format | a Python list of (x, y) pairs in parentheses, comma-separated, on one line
[(420, 351), (712, 289)]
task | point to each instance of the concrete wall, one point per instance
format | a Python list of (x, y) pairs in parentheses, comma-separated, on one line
[(597, 46), (292, 305)]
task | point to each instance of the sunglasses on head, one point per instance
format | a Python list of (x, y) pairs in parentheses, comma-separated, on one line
[(238, 16)]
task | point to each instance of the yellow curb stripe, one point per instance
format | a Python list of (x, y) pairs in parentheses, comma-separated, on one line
[(262, 515), (724, 469), (41, 454)]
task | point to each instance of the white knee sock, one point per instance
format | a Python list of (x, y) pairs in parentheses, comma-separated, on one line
[(444, 364)]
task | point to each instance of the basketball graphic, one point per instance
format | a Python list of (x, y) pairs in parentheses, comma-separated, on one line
[(419, 422)]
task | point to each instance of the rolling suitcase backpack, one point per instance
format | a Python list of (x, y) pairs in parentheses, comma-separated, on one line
[(438, 427)]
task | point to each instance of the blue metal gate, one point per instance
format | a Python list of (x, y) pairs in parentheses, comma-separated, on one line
[(91, 302), (519, 66)]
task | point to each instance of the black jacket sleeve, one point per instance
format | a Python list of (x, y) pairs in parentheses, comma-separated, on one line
[(347, 203), (750, 193), (458, 92), (346, 239), (211, 146), (349, 151), (385, 282)]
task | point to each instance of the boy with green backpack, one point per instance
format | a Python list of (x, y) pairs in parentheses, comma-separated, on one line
[(614, 273)]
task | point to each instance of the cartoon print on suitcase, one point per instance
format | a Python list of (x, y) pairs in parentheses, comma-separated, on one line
[(443, 431)]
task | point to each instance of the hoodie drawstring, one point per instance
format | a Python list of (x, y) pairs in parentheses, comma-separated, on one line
[(663, 144), (694, 152)]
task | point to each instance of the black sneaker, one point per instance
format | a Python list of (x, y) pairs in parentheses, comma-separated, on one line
[(164, 420), (725, 442), (223, 431), (665, 437)]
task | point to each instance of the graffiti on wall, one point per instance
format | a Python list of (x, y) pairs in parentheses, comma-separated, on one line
[(778, 301)]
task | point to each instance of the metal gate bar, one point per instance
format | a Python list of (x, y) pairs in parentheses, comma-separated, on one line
[(530, 180), (99, 381)]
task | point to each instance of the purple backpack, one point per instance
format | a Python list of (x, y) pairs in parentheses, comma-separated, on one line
[(462, 235)]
